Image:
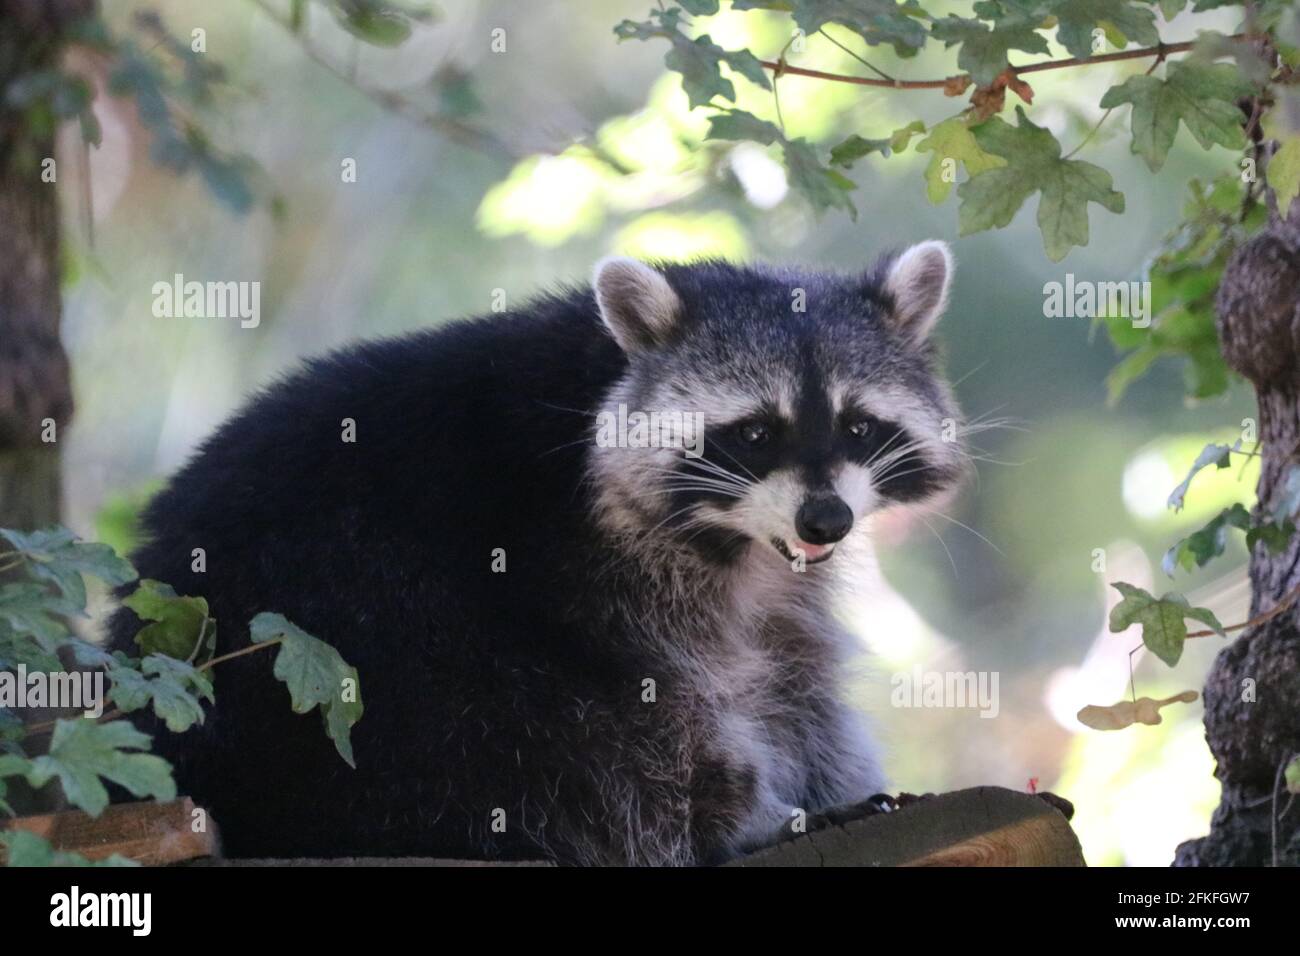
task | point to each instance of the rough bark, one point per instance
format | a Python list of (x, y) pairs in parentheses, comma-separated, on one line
[(1252, 695), (35, 385)]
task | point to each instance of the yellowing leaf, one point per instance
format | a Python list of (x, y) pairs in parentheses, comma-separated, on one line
[(1284, 172), (953, 140), (1144, 710)]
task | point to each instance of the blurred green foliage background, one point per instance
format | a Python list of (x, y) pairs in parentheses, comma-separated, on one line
[(430, 229)]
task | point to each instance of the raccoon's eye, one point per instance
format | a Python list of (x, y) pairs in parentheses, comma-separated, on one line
[(753, 433), (861, 428)]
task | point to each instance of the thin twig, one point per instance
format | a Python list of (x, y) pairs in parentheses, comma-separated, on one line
[(1161, 50), (1280, 608), (864, 62), (1160, 58), (239, 653), (455, 130)]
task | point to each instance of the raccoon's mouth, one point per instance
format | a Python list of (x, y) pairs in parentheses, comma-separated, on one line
[(812, 553)]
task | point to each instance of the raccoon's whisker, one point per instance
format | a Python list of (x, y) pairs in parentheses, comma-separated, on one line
[(942, 543), (680, 511), (711, 489), (584, 440), (977, 368), (945, 517), (720, 477), (715, 473), (563, 408), (988, 459), (902, 453), (704, 481), (883, 448), (985, 422), (705, 526), (733, 458)]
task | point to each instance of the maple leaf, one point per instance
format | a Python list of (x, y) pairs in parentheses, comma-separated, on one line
[(953, 140), (1201, 96), (1162, 619), (1034, 165)]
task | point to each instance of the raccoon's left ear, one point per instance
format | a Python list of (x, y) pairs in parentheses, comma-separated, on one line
[(918, 280)]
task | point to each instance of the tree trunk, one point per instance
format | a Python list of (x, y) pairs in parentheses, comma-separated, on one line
[(35, 387), (1252, 695)]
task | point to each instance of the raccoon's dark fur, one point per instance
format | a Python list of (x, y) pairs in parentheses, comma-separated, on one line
[(655, 676)]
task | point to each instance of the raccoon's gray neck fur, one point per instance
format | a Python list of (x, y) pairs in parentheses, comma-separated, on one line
[(697, 608)]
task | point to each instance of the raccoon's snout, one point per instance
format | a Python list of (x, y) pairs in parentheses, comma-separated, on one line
[(823, 520)]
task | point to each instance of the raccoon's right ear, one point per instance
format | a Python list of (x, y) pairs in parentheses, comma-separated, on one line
[(636, 303)]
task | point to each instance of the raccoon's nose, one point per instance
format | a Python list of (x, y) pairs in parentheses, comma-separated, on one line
[(823, 520)]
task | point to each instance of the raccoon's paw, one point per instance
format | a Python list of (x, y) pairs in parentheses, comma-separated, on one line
[(801, 823)]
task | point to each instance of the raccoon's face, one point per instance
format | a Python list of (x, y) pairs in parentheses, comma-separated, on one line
[(773, 409)]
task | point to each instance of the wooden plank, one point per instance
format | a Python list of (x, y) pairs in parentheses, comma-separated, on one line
[(983, 826), (155, 834)]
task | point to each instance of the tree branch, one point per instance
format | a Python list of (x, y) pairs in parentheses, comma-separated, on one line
[(453, 129), (1160, 50)]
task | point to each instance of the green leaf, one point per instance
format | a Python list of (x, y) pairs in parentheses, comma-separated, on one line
[(739, 125), (875, 21), (698, 61), (1292, 775), (83, 751), (376, 23), (32, 609), (1078, 18), (821, 186), (953, 139), (24, 649), (984, 47), (1200, 547), (1034, 165), (174, 691), (1163, 620), (1284, 173), (457, 96), (228, 180), (1276, 537), (700, 8), (179, 622), (26, 849), (1202, 96), (1131, 368), (855, 147), (1218, 455), (54, 554), (11, 727), (316, 675)]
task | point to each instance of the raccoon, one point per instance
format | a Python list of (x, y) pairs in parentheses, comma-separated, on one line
[(580, 637)]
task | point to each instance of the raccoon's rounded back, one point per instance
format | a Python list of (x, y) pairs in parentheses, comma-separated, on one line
[(465, 440)]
